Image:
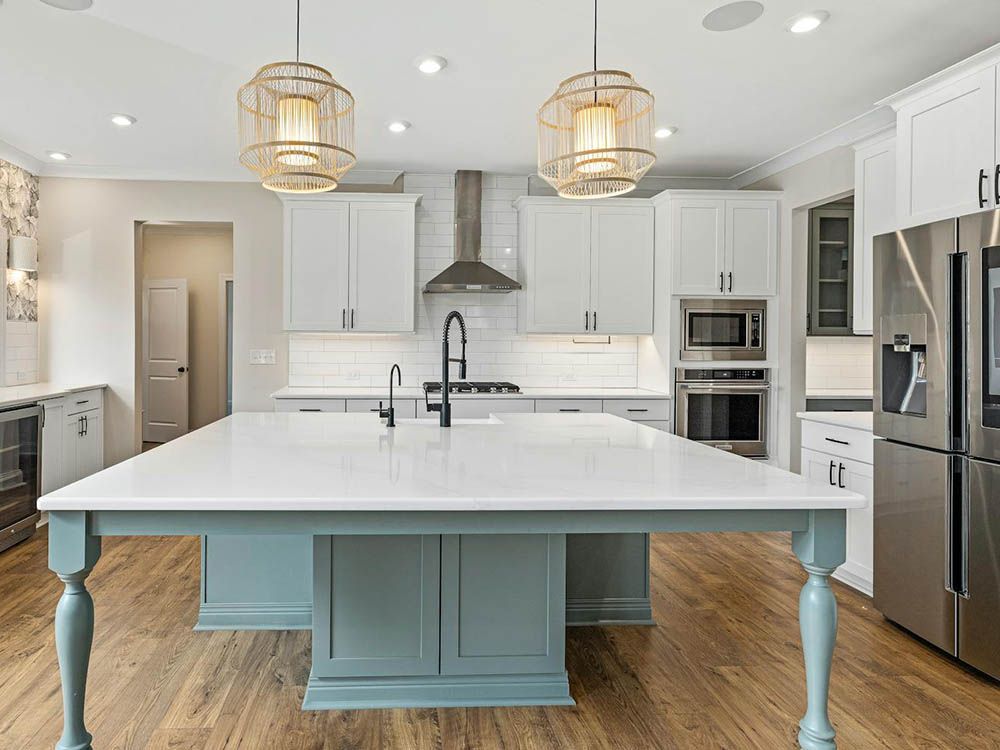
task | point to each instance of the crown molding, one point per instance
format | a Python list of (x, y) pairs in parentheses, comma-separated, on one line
[(845, 134), (983, 59), (20, 159)]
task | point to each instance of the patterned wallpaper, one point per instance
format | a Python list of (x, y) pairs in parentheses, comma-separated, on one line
[(19, 217)]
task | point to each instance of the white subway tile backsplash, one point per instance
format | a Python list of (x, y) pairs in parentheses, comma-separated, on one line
[(836, 362), (496, 350)]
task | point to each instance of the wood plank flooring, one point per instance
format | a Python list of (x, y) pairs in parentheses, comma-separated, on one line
[(722, 668)]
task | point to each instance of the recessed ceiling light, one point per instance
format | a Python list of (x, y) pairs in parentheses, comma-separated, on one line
[(430, 64), (122, 121), (807, 22), (58, 155), (398, 126), (69, 4), (665, 132), (733, 16)]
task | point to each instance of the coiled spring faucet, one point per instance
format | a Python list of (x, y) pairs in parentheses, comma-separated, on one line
[(445, 406)]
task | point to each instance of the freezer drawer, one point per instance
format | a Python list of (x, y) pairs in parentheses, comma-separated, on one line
[(979, 612), (912, 555)]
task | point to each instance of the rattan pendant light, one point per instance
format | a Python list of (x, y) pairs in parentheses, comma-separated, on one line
[(595, 133), (296, 126)]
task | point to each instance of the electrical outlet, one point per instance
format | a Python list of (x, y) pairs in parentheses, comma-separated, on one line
[(262, 356)]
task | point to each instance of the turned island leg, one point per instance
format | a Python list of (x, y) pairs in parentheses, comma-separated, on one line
[(820, 549), (73, 552)]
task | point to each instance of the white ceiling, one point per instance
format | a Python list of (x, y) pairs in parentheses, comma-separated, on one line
[(738, 98)]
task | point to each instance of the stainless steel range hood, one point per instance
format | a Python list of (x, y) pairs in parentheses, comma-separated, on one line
[(468, 273)]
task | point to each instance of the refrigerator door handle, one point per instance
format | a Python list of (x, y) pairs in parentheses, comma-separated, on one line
[(957, 540)]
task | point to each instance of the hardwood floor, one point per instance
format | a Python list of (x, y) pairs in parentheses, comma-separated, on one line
[(722, 669)]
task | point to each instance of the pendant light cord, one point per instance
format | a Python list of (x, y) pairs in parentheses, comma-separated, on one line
[(298, 15), (595, 51)]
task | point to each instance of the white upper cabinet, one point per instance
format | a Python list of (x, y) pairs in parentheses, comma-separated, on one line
[(317, 237), (586, 268), (621, 269), (751, 247), (349, 262), (699, 227), (382, 267), (874, 214), (555, 256), (723, 242), (948, 142)]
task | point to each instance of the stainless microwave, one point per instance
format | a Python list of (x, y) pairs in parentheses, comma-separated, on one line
[(723, 329)]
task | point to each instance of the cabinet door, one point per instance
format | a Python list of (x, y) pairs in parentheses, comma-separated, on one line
[(874, 213), (557, 269), (503, 603), (316, 265), (382, 267), (621, 269), (375, 605), (945, 140), (72, 435), (820, 467), (857, 569), (90, 445), (831, 235), (751, 247), (53, 455), (698, 244)]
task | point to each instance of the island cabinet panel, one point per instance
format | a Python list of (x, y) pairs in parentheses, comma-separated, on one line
[(503, 603), (607, 579), (376, 605)]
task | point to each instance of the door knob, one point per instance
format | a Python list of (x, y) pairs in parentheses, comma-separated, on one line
[(182, 369)]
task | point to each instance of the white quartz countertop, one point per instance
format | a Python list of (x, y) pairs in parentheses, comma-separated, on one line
[(29, 394), (353, 462), (855, 420), (839, 393), (418, 393)]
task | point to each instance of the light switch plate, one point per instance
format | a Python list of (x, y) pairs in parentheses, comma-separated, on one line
[(262, 356)]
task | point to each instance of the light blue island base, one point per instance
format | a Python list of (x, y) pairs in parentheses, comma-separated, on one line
[(472, 596), (265, 582)]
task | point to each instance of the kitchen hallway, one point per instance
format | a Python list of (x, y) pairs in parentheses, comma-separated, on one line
[(724, 653)]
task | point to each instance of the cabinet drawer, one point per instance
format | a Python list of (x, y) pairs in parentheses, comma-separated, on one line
[(309, 404), (571, 405), (844, 442), (406, 408), (84, 401), (638, 409)]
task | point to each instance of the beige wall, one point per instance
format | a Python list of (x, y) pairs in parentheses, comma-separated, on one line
[(87, 282), (806, 185), (200, 254)]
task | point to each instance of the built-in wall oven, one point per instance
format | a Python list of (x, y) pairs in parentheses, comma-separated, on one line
[(20, 442), (723, 329), (725, 408)]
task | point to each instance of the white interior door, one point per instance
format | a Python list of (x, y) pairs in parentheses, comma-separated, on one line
[(164, 359)]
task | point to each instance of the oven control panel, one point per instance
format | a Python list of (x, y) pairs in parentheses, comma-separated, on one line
[(758, 375)]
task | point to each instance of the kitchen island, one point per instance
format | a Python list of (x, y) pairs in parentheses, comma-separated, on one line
[(439, 553)]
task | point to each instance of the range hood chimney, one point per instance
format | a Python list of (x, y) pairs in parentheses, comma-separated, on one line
[(468, 273)]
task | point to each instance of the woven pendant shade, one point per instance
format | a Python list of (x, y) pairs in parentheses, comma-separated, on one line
[(296, 128), (595, 135)]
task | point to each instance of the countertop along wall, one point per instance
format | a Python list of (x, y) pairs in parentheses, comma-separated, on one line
[(496, 351)]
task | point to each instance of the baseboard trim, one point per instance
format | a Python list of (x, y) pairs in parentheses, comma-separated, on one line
[(437, 691), (856, 577), (255, 616), (609, 611)]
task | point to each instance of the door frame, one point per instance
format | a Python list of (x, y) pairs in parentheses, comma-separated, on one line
[(224, 363)]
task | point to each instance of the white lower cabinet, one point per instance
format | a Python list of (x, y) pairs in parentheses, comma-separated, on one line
[(851, 474), (72, 438)]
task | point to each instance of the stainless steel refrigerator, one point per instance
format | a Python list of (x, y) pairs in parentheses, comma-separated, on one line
[(937, 406)]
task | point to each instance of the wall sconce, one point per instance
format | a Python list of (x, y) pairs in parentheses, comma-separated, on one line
[(23, 254)]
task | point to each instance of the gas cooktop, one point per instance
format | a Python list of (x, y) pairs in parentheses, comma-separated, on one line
[(463, 386)]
